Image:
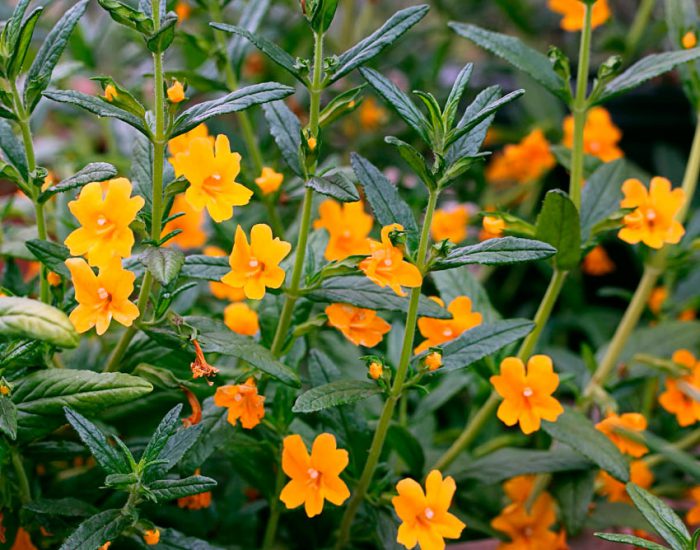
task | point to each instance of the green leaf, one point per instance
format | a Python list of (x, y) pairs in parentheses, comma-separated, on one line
[(241, 99), (637, 542), (215, 434), (19, 51), (563, 156), (94, 532), (11, 30), (452, 283), (8, 418), (163, 263), (335, 184), (52, 255), (215, 337), (414, 159), (359, 291), (98, 106), (170, 539), (686, 462), (468, 144), (13, 150), (382, 195), (504, 250), (124, 14), (95, 171), (645, 69), (579, 433), (162, 433), (342, 392), (207, 268), (601, 195), (41, 396), (558, 225), (269, 48), (323, 15), (286, 130), (161, 40), (574, 493), (523, 57), (380, 39), (661, 516), (481, 341), (170, 489), (398, 101), (106, 456), (456, 93), (405, 444), (179, 444), (25, 318), (39, 74), (64, 507), (251, 16)]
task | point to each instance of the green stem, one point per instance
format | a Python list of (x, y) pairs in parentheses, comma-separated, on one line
[(397, 387), (639, 25), (275, 509), (25, 494)]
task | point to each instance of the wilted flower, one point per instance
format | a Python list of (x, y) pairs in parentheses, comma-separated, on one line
[(200, 367)]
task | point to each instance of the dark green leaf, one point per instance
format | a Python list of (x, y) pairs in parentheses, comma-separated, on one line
[(323, 15), (95, 171), (207, 268), (405, 444), (65, 507), (251, 16), (26, 318), (170, 489), (10, 33), (456, 93), (8, 417), (13, 150), (163, 263), (52, 255), (637, 542), (574, 493), (106, 456), (162, 433), (414, 159), (286, 130), (468, 145), (215, 434), (558, 225), (161, 40), (19, 52), (342, 392), (601, 195), (335, 184), (661, 517), (504, 250), (170, 539), (94, 532), (178, 445)]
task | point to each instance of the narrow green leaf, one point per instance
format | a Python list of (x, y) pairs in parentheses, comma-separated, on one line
[(414, 159), (95, 171), (335, 184), (342, 392), (469, 143), (504, 250), (574, 493), (207, 268), (13, 150), (94, 532), (179, 444), (19, 52), (400, 440), (52, 255), (170, 489), (162, 433), (8, 418), (323, 15), (163, 263), (456, 93), (139, 20), (637, 542), (161, 40), (26, 318), (601, 195), (106, 456), (286, 130), (661, 516), (10, 33), (558, 224)]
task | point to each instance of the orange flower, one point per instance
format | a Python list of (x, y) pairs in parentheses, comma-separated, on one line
[(176, 92), (375, 370), (312, 142), (348, 226), (101, 297), (527, 398), (105, 546), (182, 10), (53, 278), (528, 530), (386, 267), (693, 516), (104, 231), (363, 327), (199, 367), (425, 516), (450, 223), (211, 172), (597, 262), (633, 422), (523, 162), (241, 319), (657, 298), (674, 399), (372, 116), (195, 502), (493, 228), (23, 541), (110, 93), (196, 416), (255, 266), (181, 143), (573, 12), (615, 490), (433, 361), (315, 478), (600, 135), (439, 331), (243, 403), (151, 537), (269, 181), (689, 40), (222, 291), (192, 234), (653, 221)]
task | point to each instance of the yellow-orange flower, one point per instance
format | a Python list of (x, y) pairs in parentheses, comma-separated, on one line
[(241, 319), (104, 231), (176, 92), (386, 267), (110, 93), (653, 221), (243, 403), (632, 422), (315, 478), (195, 502), (492, 228), (363, 327), (101, 297), (255, 266), (523, 162), (348, 226), (615, 490), (439, 331), (450, 223), (425, 516), (372, 116), (527, 398), (657, 298), (181, 143), (211, 172), (597, 262), (375, 370), (53, 278), (573, 13), (689, 40), (269, 181), (220, 290), (190, 223), (151, 537), (674, 399), (693, 515), (600, 135)]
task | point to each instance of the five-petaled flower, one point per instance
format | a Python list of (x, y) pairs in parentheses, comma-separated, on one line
[(348, 226), (653, 220), (101, 297), (241, 319), (631, 422), (181, 143), (211, 172), (190, 223), (425, 516), (527, 397), (243, 403), (104, 231), (439, 331), (363, 327), (678, 397), (315, 478), (523, 162), (573, 13), (385, 265), (269, 181), (255, 266), (450, 223), (220, 290), (600, 135)]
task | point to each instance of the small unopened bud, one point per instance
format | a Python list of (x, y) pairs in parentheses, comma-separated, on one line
[(689, 40), (375, 370), (433, 361)]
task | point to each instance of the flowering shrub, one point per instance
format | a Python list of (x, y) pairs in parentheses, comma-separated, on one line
[(268, 298)]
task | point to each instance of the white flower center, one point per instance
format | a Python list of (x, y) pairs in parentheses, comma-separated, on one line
[(387, 262), (237, 397), (346, 234), (313, 474), (101, 221), (253, 263), (447, 332), (216, 177), (429, 513), (527, 392), (651, 215), (102, 293)]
